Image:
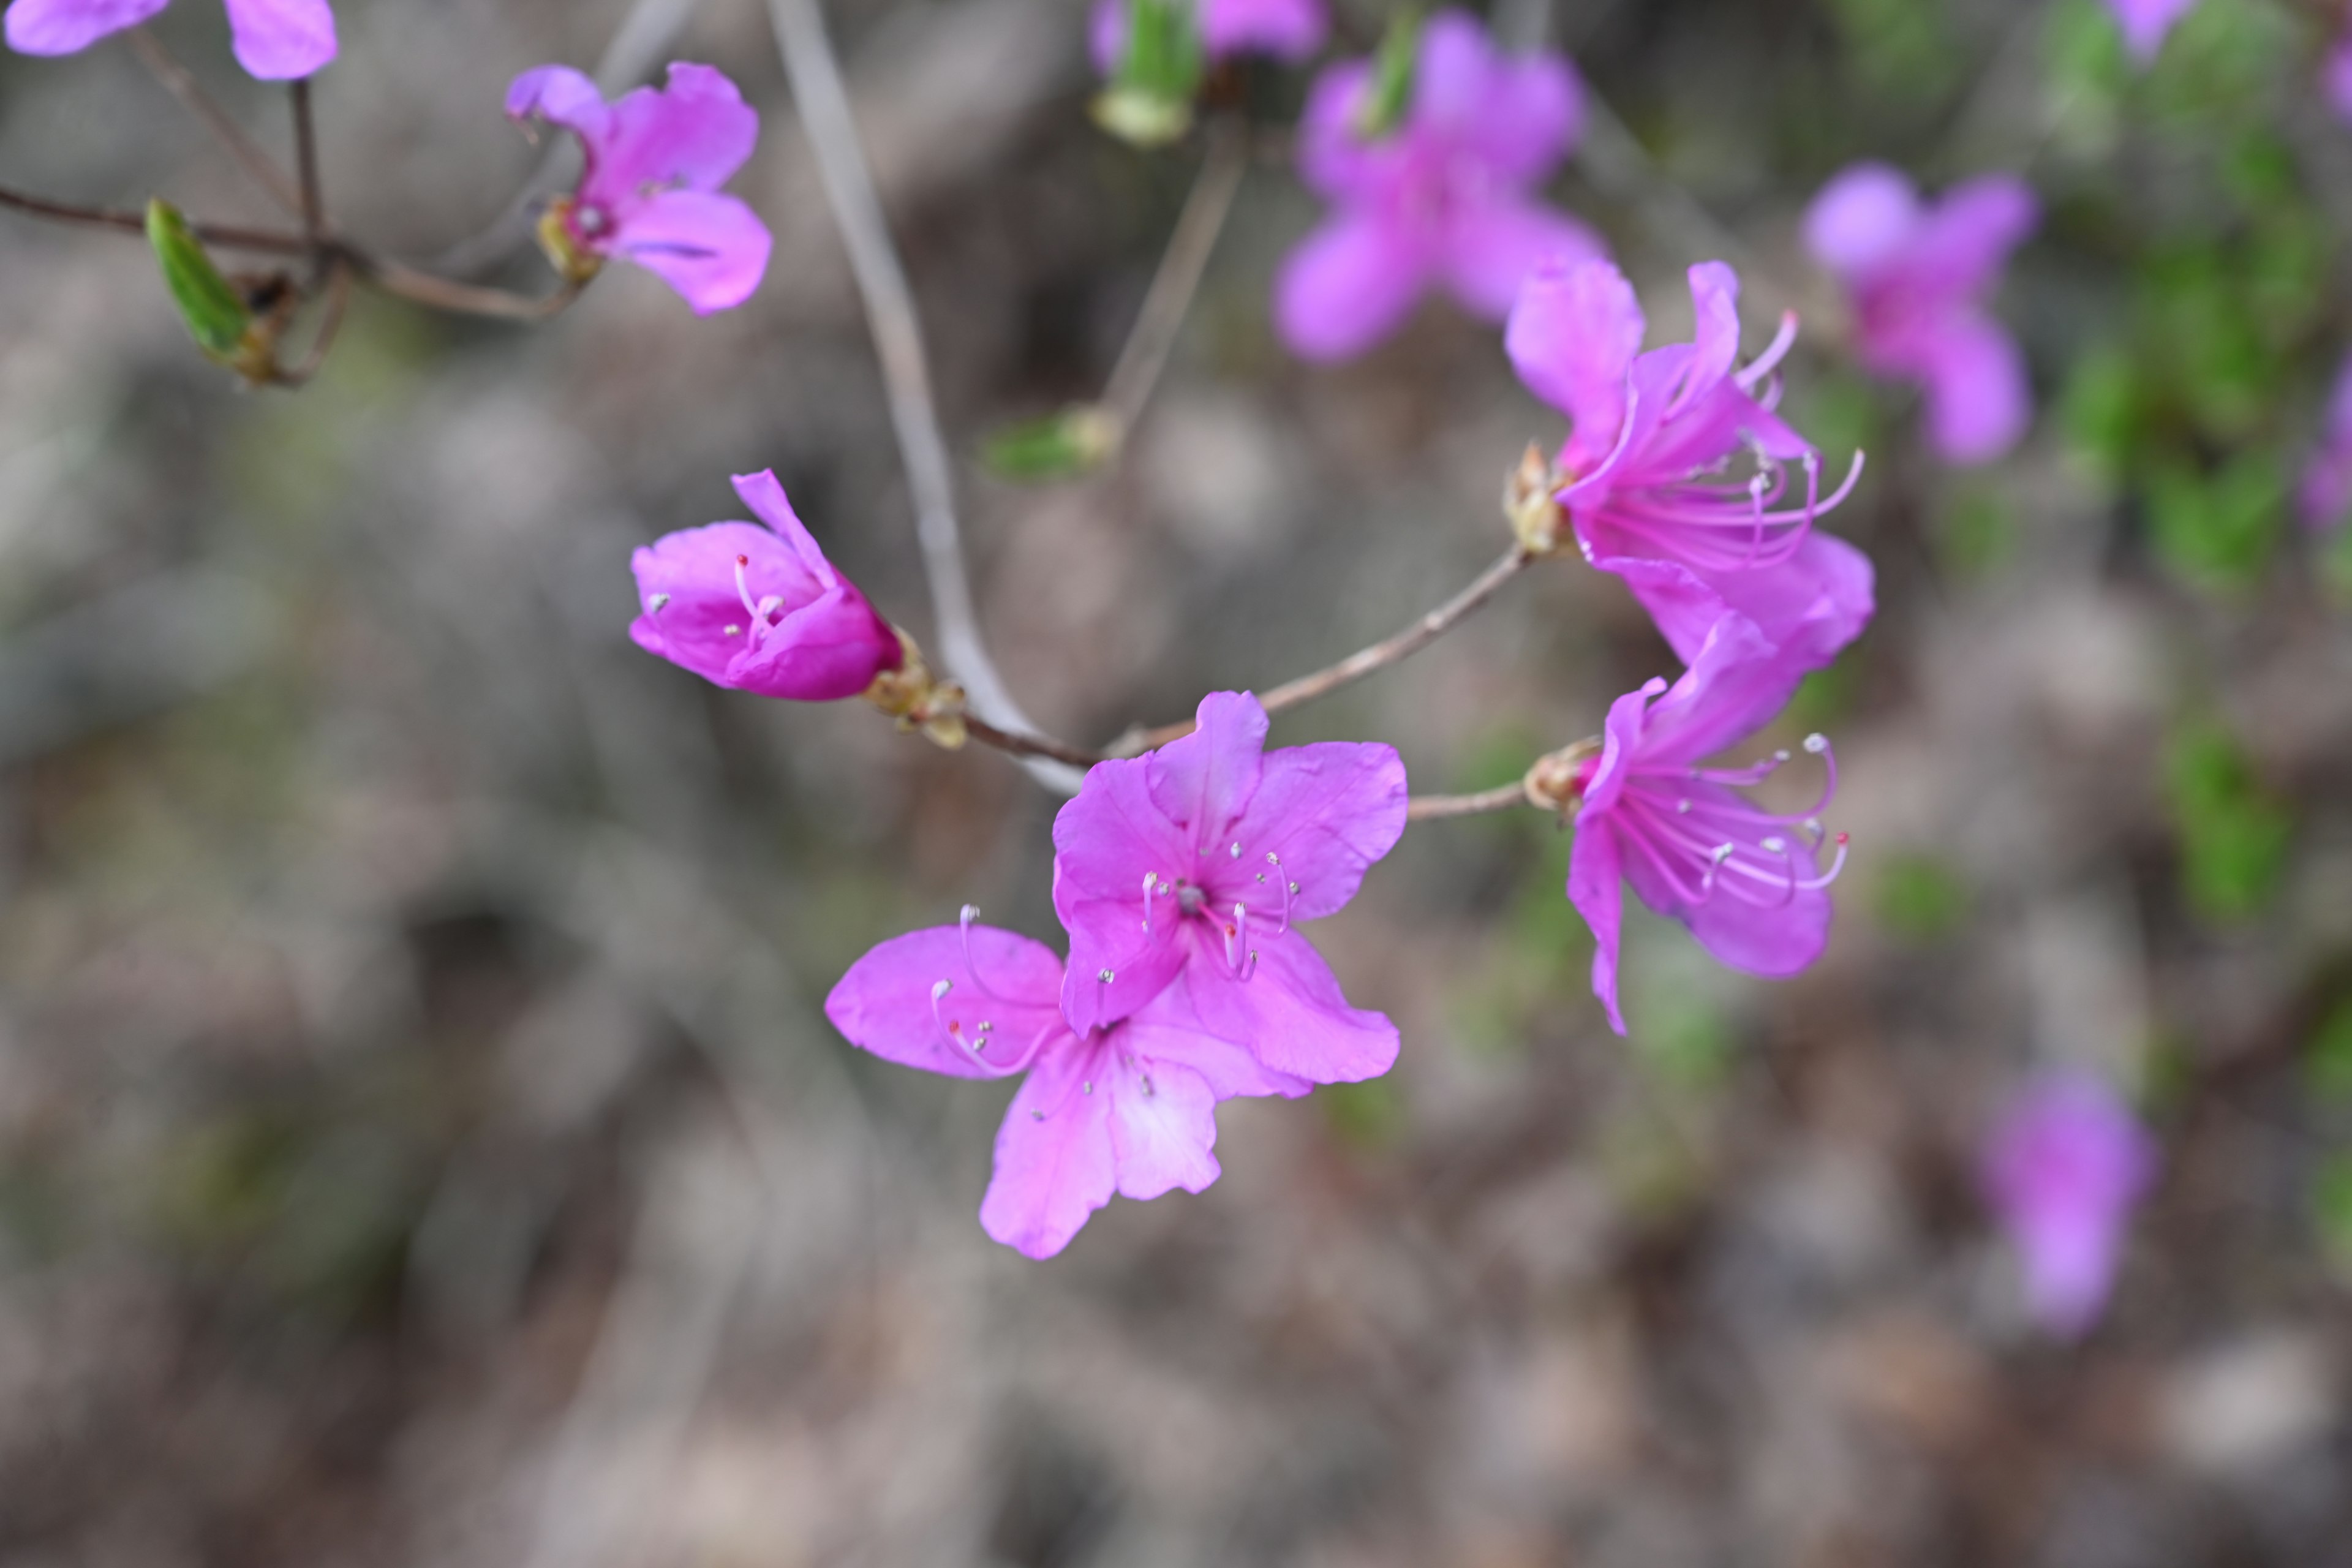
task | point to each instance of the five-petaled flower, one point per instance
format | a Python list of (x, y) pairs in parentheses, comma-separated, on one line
[(1650, 489), (2063, 1169), (1191, 868), (276, 40), (648, 189), (760, 609), (1127, 1109), (1285, 29), (1746, 881), (2145, 23), (1445, 196), (2325, 496), (1917, 276)]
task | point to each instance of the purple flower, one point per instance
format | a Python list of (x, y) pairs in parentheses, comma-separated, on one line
[(760, 609), (1748, 882), (1190, 869), (276, 40), (2335, 76), (1286, 29), (2063, 1169), (1653, 438), (1917, 276), (2145, 22), (650, 189), (1444, 197), (2326, 494), (1126, 1109)]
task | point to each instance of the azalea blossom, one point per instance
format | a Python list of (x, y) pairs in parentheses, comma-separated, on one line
[(1288, 30), (1191, 868), (648, 191), (1444, 197), (1917, 276), (276, 40), (1126, 1109), (2335, 75), (1652, 486), (2063, 1169), (1748, 882), (2146, 22), (2325, 497), (757, 606)]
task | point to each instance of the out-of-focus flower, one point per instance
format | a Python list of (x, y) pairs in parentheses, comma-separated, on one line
[(1442, 197), (2335, 75), (2325, 497), (1917, 276), (1286, 29), (760, 608), (1649, 488), (1190, 869), (2145, 22), (2063, 1169), (648, 191), (276, 40), (1127, 1109), (1746, 881)]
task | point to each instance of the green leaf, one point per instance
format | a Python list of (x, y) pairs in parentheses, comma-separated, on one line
[(2233, 837), (1383, 108), (1052, 446), (214, 312), (2100, 411), (1149, 100)]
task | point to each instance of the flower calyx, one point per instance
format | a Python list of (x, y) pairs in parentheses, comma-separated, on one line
[(559, 241), (917, 700), (1556, 782), (1531, 502)]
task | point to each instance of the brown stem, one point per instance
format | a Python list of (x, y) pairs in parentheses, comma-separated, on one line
[(1380, 655), (1432, 807), (464, 298), (1020, 746), (248, 152), (228, 236), (339, 294), (306, 163)]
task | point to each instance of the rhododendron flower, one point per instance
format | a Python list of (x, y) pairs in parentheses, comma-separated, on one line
[(1651, 491), (760, 608), (1444, 197), (1190, 869), (276, 40), (2326, 494), (2145, 22), (1746, 881), (1286, 29), (1127, 1109), (2063, 1169), (1917, 276), (648, 191), (2335, 76)]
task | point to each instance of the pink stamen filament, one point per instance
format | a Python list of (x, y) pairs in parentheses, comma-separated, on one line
[(1763, 365), (969, 913)]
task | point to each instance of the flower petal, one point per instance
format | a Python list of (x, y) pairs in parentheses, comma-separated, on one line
[(1203, 782), (277, 40), (1055, 1161), (1285, 29), (562, 96), (685, 585), (1573, 334), (711, 248), (1289, 1012), (691, 134), (1736, 683), (1810, 606), (1106, 839), (884, 1004), (1773, 939), (1962, 247), (1493, 247), (1862, 219), (68, 27), (1348, 285), (1979, 404), (1518, 114), (1163, 1125), (1327, 812), (1592, 888), (2145, 23)]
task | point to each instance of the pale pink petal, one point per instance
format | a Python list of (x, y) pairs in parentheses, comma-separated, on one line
[(1106, 840), (68, 27), (1572, 337), (277, 40), (1290, 1010), (1055, 1159), (1594, 870), (1979, 404), (1862, 219), (711, 248), (1493, 246), (1163, 1125), (1348, 285), (885, 1003), (1326, 813)]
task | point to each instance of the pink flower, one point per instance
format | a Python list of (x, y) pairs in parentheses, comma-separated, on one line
[(1190, 869), (275, 40), (1444, 197), (1288, 30), (760, 609), (2335, 76), (649, 189), (1748, 882), (1126, 1109), (2145, 22), (2063, 1169), (2325, 496), (1650, 492), (1917, 278)]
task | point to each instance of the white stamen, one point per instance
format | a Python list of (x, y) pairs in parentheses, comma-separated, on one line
[(1817, 743)]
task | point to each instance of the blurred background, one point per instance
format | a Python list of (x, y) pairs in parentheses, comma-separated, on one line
[(419, 1141)]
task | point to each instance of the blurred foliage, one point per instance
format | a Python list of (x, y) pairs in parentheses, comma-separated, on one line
[(2218, 527), (2328, 1060), (2331, 1205), (1921, 898), (2233, 834), (1393, 66), (1370, 1115), (1058, 446), (1977, 534), (1900, 48)]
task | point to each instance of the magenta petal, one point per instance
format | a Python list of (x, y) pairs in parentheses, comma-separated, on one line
[(1621, 742), (1348, 285), (1493, 246), (1736, 683), (1592, 888), (2335, 77), (1203, 781), (1285, 29), (1862, 219), (1966, 240), (1106, 34), (1978, 401), (1291, 1011), (562, 96), (1055, 1162), (2325, 495), (1328, 811), (277, 40), (2145, 23), (1518, 114), (1166, 1029), (1332, 159), (1810, 606), (884, 1004), (686, 586), (1106, 839), (1572, 337), (1714, 306), (1772, 940), (68, 27), (2063, 1168), (691, 134), (711, 248)]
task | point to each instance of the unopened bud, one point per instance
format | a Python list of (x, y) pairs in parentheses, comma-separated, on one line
[(918, 701), (1531, 501), (235, 327), (1556, 782), (1148, 100)]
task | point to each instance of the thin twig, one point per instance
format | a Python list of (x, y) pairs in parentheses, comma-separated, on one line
[(463, 298), (306, 163), (824, 104), (1165, 303), (1432, 807), (256, 161), (1018, 745), (228, 236), (1380, 655), (339, 294)]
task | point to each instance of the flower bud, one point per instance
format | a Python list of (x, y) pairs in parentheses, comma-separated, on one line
[(1061, 445), (1556, 783), (911, 695), (219, 315), (1530, 500), (572, 262), (1148, 100)]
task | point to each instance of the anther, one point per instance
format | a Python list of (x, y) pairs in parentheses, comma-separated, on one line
[(1774, 845), (1087, 1087), (1106, 977), (658, 602), (1149, 879), (1236, 850), (1816, 743), (1781, 755), (730, 629)]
